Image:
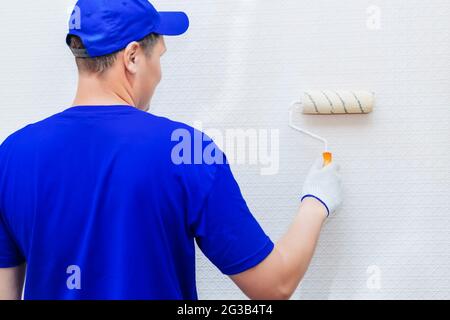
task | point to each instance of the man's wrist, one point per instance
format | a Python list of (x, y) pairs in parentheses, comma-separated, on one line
[(314, 206)]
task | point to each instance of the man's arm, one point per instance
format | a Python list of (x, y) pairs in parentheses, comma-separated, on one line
[(11, 282), (277, 276)]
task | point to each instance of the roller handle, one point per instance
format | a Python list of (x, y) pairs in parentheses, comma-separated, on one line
[(327, 158)]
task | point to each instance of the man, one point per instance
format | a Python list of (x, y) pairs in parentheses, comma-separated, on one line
[(97, 205)]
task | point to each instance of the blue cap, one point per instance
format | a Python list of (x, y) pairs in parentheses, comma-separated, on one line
[(106, 26)]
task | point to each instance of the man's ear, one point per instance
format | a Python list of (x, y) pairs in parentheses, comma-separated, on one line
[(131, 56)]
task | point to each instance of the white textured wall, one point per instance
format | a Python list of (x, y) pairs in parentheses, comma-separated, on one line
[(240, 66)]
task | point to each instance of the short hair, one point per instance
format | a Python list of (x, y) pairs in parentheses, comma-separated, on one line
[(102, 63)]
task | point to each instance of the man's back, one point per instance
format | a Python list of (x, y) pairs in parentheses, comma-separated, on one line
[(93, 201)]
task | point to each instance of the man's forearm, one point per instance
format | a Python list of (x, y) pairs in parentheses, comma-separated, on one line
[(279, 274), (297, 246)]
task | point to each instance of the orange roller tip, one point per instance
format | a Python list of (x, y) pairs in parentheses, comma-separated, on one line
[(327, 158)]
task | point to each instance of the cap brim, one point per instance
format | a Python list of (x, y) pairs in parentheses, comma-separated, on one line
[(172, 23)]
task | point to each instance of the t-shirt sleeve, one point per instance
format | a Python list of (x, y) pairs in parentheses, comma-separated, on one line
[(225, 230), (10, 255)]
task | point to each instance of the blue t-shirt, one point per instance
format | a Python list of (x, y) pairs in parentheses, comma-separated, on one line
[(105, 202)]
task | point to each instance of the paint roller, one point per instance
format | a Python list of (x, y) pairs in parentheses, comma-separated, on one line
[(331, 103)]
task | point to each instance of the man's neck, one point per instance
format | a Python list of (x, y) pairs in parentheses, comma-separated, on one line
[(93, 91)]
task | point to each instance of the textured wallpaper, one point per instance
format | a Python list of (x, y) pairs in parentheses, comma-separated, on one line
[(240, 67)]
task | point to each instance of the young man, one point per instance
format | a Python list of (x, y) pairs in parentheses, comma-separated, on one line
[(97, 204)]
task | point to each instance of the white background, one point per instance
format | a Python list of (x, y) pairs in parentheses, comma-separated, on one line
[(240, 66)]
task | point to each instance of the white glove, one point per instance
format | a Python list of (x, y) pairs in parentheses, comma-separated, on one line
[(324, 184)]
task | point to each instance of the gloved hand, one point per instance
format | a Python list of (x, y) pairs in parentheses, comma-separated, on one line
[(324, 184)]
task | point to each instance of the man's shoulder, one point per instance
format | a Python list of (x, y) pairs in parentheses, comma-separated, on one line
[(150, 122), (146, 127), (28, 132), (18, 136), (167, 123)]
